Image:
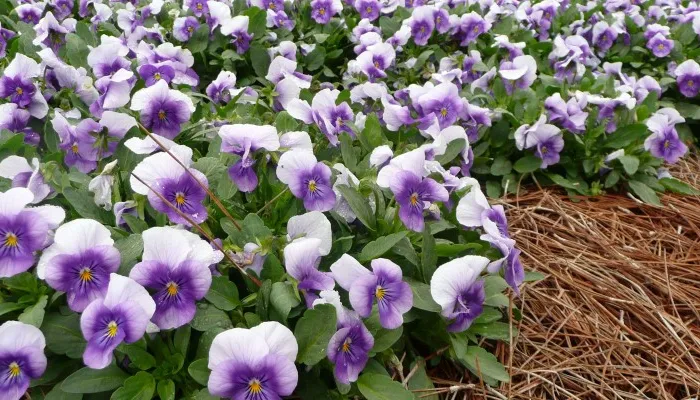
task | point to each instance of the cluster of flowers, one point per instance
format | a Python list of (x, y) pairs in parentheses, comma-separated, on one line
[(146, 105)]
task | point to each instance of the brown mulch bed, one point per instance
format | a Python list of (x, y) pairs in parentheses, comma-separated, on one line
[(618, 315)]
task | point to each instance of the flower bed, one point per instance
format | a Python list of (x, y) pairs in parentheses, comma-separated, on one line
[(265, 199)]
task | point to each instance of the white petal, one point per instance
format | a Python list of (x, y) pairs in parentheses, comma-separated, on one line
[(292, 161), (279, 339), (123, 289), (296, 140), (16, 335), (159, 166), (238, 344), (14, 200), (301, 110), (13, 166), (82, 234), (53, 215), (299, 254), (346, 270), (313, 224), (471, 206), (452, 277), (165, 244)]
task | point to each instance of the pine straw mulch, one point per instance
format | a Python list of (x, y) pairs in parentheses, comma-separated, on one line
[(617, 316)]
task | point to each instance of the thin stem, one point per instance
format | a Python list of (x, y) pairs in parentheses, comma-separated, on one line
[(199, 228), (203, 186), (273, 200)]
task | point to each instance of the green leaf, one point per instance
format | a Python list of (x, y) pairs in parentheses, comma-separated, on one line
[(315, 59), (34, 315), (138, 356), (488, 365), (223, 293), (83, 30), (405, 249), (382, 387), (533, 276), (84, 204), (501, 166), (629, 163), (58, 394), (9, 307), (687, 110), (422, 299), (454, 148), (380, 246), (371, 136), (23, 282), (166, 389), (645, 193), (494, 330), (130, 249), (138, 387), (208, 317), (313, 332), (260, 59), (63, 334), (283, 298), (199, 371), (348, 152), (136, 224), (626, 136), (181, 340), (88, 380), (529, 163), (199, 40), (359, 205), (76, 51), (677, 186), (428, 254), (421, 382), (385, 338), (285, 122)]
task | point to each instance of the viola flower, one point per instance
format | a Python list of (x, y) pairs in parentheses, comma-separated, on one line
[(17, 84), (152, 74), (301, 260), (122, 316), (288, 81), (250, 258), (244, 140), (603, 36), (349, 347), (184, 28), (79, 262), (165, 175), (413, 161), (121, 208), (323, 10), (456, 287), (274, 5), (443, 100), (569, 114), (329, 117), (644, 86), (503, 42), (181, 60), (520, 73), (237, 27), (395, 115), (442, 20), (413, 194), (175, 266), (256, 363), (474, 117), (384, 285), (368, 9), (660, 45), (375, 60), (29, 13), (163, 110), (308, 179), (198, 7), (313, 224), (114, 91), (219, 89), (52, 34), (470, 27), (525, 134), (23, 231), (5, 35), (101, 185), (474, 210), (664, 142), (422, 23), (107, 58), (549, 144), (22, 358), (570, 57), (688, 78), (23, 175)]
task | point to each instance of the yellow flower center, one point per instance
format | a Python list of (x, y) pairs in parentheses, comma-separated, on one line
[(312, 185), (661, 46), (11, 240), (190, 29), (322, 11), (14, 370), (199, 6), (380, 293), (161, 115), (667, 144), (74, 148), (172, 288), (443, 112), (691, 83), (112, 329), (254, 387), (438, 19), (376, 64), (85, 275), (346, 345), (476, 29), (368, 10), (156, 76), (547, 15), (271, 6), (180, 199), (422, 29), (19, 91), (544, 150), (414, 199)]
